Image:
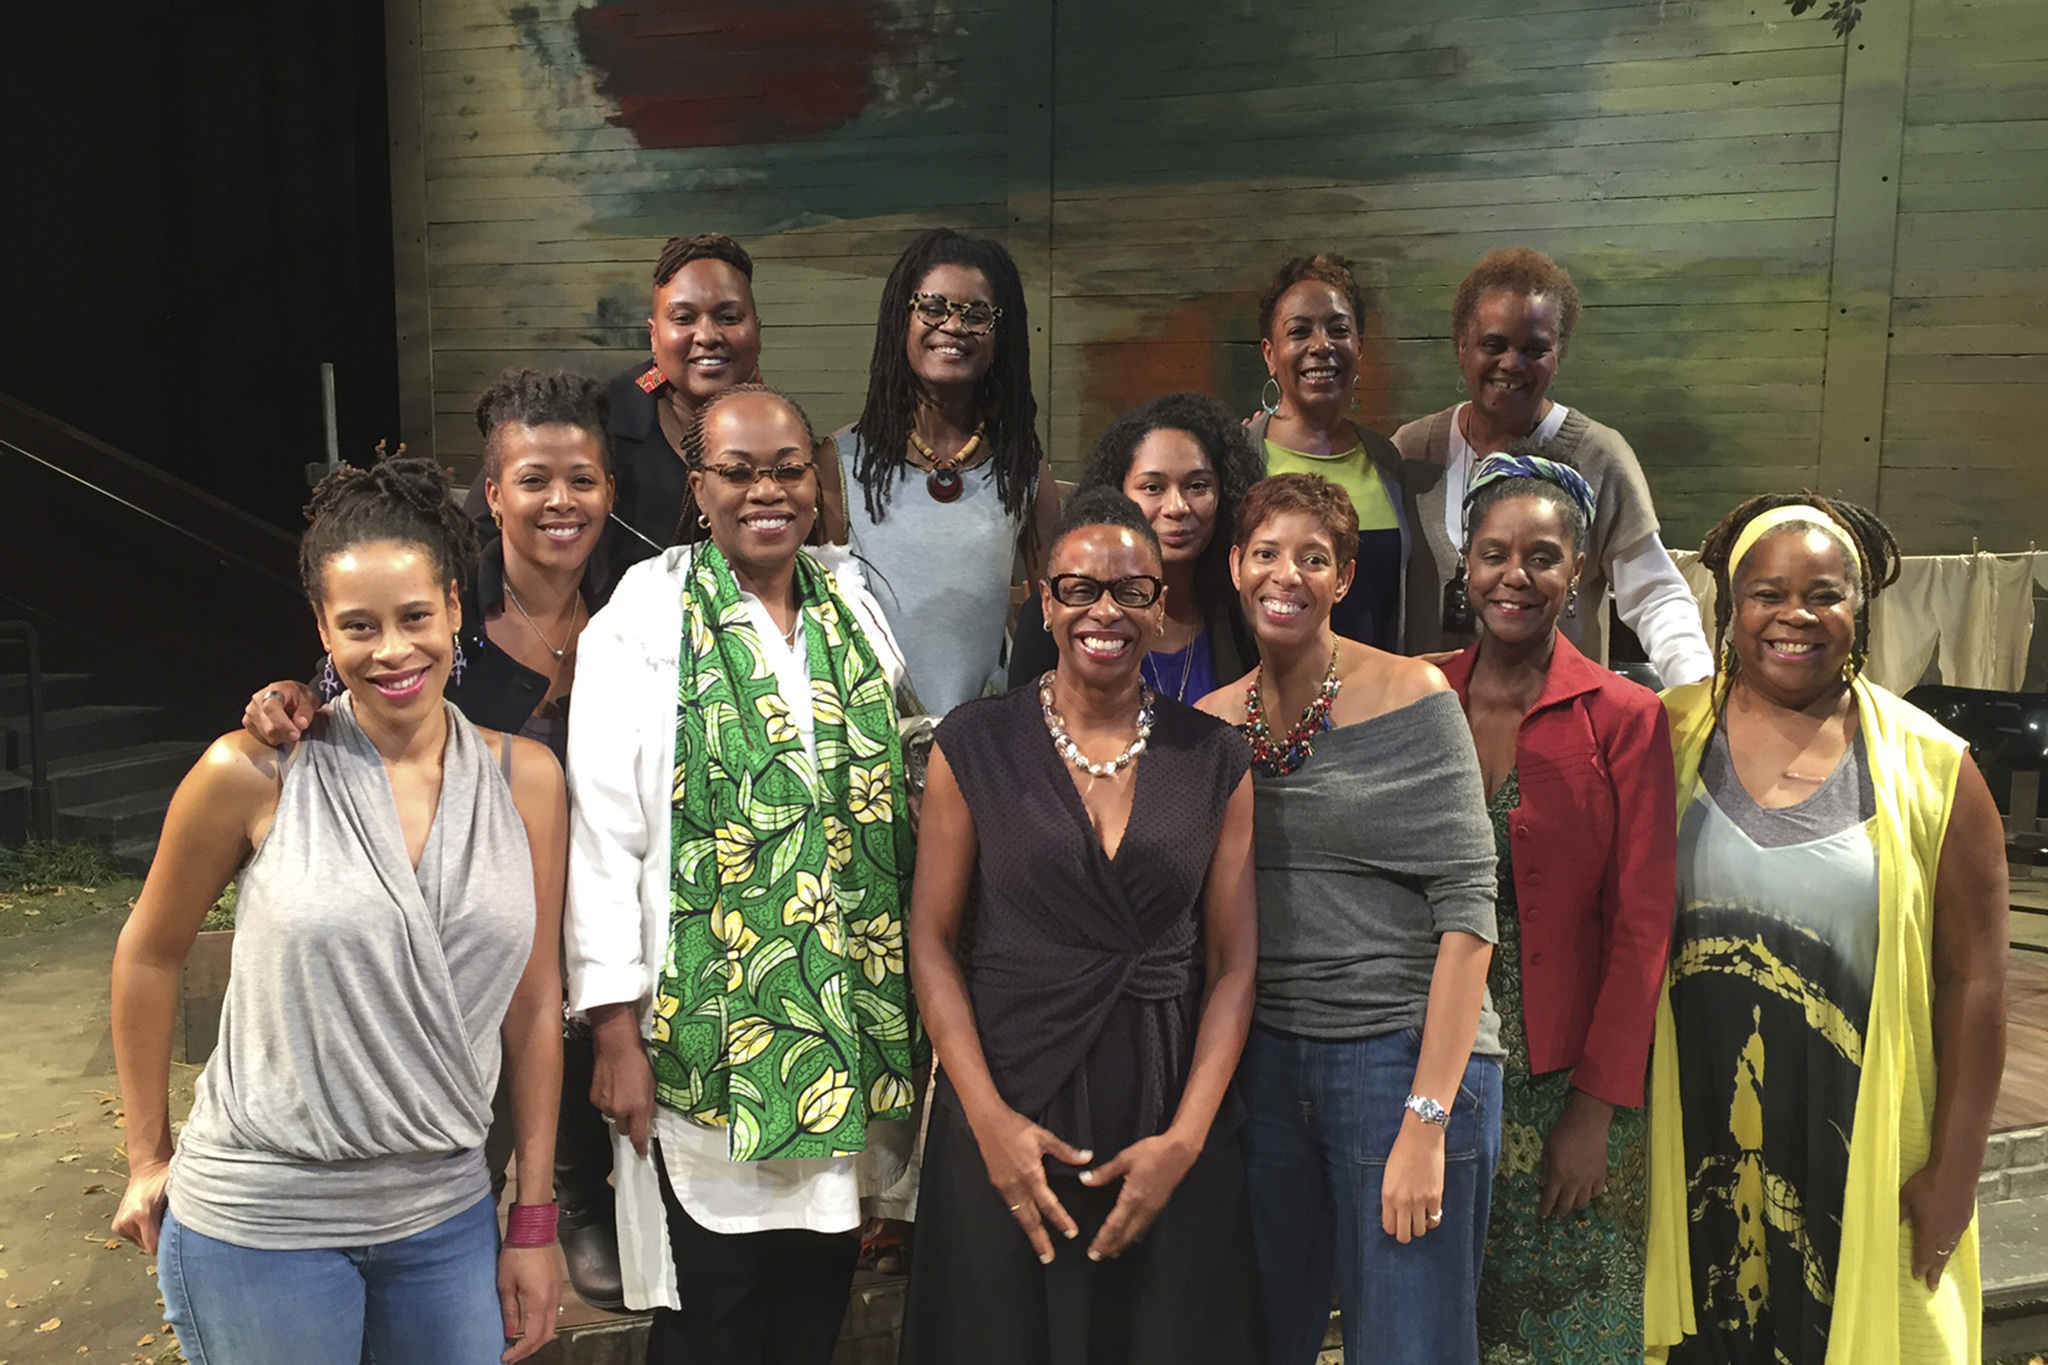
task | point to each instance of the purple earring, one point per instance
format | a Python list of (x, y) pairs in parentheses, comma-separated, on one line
[(455, 669), (328, 682)]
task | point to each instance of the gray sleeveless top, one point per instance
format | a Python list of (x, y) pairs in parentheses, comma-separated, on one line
[(347, 1100), (941, 572), (1811, 867)]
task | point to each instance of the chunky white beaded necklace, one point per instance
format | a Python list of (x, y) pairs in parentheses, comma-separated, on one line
[(1071, 751)]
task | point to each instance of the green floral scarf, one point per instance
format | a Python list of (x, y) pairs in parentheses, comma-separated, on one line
[(782, 1010)]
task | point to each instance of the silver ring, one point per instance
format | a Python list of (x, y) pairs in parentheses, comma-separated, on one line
[(1947, 1250), (1015, 1207), (1436, 1218), (273, 692)]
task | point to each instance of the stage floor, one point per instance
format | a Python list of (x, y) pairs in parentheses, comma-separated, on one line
[(2023, 1098)]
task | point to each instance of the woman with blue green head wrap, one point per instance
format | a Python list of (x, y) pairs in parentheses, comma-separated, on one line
[(1577, 767)]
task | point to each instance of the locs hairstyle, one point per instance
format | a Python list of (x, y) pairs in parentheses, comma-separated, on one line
[(403, 499), (1223, 440), (1003, 400), (1876, 550), (534, 398)]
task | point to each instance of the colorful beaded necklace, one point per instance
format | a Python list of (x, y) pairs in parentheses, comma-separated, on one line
[(1300, 745)]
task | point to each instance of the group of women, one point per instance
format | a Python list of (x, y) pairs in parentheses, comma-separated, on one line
[(1263, 962)]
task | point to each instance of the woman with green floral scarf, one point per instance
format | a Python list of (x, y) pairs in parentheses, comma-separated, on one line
[(741, 863)]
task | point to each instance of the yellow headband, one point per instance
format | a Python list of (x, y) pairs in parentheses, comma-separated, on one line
[(1779, 517)]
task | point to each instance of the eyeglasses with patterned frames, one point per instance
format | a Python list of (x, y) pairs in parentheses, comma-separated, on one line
[(1079, 590), (741, 477), (934, 309)]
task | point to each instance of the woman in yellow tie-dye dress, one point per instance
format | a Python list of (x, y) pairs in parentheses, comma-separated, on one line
[(1829, 1050)]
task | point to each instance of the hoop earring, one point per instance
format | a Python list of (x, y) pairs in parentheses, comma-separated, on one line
[(1272, 408), (461, 662), (703, 521), (1045, 625), (328, 682)]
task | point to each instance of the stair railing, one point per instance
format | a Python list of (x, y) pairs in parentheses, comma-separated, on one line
[(41, 817)]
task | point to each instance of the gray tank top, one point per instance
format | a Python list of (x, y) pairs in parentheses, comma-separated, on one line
[(347, 1100), (1811, 866), (941, 572)]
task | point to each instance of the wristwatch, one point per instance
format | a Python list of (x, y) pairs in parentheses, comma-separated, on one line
[(1428, 1110)]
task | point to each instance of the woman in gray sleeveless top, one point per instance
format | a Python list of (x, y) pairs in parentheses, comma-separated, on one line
[(398, 922), (941, 482)]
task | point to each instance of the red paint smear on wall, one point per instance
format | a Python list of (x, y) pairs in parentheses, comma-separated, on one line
[(692, 73)]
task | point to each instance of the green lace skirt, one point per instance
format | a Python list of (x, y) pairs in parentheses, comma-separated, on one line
[(1565, 1290)]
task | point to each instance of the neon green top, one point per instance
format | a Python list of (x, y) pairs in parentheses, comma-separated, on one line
[(1350, 471)]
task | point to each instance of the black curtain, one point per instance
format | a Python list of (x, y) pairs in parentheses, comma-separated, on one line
[(195, 212)]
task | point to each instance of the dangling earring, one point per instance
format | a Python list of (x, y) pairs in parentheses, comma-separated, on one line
[(1271, 407), (328, 682), (1571, 601), (1728, 660), (498, 520)]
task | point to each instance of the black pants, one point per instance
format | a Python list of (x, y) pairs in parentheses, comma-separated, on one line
[(751, 1298)]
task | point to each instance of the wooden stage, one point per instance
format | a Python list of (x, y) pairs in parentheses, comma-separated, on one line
[(2023, 1099)]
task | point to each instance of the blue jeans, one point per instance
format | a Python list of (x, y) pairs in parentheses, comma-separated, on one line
[(427, 1299), (1322, 1117)]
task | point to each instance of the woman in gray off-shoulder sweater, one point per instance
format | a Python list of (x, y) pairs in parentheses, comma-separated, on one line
[(1372, 1077)]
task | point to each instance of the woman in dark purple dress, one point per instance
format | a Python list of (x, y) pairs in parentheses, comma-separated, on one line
[(1086, 1049)]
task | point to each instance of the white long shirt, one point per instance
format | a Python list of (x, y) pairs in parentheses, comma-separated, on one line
[(615, 925)]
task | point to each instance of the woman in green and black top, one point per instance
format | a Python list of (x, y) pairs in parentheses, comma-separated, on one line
[(1309, 334)]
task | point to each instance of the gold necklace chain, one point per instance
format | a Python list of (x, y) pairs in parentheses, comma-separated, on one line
[(574, 604)]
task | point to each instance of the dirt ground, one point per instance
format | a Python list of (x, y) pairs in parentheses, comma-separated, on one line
[(67, 1294)]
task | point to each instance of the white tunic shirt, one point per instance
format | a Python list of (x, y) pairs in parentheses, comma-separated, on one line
[(616, 923)]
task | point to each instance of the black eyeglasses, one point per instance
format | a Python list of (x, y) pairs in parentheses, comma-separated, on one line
[(936, 308), (741, 477), (1079, 590)]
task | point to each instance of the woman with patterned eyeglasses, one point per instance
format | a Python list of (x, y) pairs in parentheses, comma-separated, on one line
[(941, 481), (1083, 1195), (738, 877)]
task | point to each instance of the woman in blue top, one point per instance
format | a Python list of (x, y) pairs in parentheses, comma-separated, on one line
[(1186, 462)]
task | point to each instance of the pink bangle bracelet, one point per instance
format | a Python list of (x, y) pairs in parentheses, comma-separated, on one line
[(532, 1225)]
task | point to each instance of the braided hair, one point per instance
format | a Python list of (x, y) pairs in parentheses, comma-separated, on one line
[(687, 529), (404, 498), (678, 252), (1877, 557), (1008, 412)]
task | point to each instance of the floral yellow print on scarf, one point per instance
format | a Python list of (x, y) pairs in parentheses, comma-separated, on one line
[(782, 1011)]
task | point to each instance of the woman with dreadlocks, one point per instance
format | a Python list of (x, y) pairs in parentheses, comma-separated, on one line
[(941, 481), (1830, 1042)]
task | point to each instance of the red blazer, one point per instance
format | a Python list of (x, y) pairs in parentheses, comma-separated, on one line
[(1594, 842)]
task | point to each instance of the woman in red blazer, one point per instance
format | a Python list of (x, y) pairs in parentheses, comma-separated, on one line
[(1577, 763)]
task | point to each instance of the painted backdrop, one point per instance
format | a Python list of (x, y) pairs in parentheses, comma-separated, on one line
[(1806, 259)]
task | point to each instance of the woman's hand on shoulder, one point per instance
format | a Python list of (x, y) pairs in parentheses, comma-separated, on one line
[(279, 713)]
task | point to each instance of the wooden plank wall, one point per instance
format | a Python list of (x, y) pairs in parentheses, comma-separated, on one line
[(1714, 172)]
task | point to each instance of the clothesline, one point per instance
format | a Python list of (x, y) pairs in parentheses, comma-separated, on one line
[(1973, 614)]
